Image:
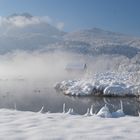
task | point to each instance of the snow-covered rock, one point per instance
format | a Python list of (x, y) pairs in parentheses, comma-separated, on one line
[(116, 90)]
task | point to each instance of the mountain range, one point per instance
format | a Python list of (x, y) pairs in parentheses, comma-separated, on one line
[(30, 33)]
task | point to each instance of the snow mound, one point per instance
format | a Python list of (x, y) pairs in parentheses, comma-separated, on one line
[(103, 84), (104, 112), (119, 90)]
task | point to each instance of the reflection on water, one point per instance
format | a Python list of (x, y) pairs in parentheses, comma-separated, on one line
[(31, 96)]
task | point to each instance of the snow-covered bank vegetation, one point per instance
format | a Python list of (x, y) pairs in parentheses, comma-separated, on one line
[(103, 84), (67, 125)]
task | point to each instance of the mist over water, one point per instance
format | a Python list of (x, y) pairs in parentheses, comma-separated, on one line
[(51, 65), (37, 65), (27, 81)]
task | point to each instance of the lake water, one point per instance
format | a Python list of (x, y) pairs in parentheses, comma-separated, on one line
[(28, 95)]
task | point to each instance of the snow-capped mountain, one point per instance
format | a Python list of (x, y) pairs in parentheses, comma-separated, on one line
[(105, 42), (27, 32), (99, 37)]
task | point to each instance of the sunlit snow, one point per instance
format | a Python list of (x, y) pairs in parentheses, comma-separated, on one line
[(103, 84), (67, 125)]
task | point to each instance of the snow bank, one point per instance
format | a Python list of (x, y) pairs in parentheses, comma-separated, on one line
[(103, 84), (30, 125)]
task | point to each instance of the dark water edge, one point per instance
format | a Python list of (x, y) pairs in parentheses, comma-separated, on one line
[(31, 96)]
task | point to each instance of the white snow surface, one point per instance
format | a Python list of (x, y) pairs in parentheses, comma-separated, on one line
[(15, 125), (103, 84)]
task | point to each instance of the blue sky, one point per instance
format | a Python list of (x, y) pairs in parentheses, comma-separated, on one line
[(114, 15)]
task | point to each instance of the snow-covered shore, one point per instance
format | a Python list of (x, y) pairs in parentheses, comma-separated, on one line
[(102, 84), (49, 126)]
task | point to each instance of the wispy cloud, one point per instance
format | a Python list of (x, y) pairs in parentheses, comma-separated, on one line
[(21, 21), (60, 25)]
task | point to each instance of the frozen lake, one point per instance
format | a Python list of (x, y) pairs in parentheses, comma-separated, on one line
[(27, 95)]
